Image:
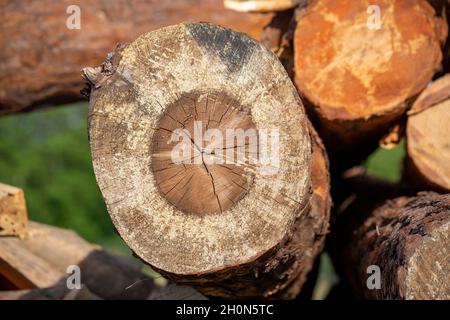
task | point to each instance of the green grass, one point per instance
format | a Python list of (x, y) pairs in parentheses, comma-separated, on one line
[(47, 154), (386, 164)]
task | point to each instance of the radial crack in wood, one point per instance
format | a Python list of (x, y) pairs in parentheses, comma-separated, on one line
[(211, 212)]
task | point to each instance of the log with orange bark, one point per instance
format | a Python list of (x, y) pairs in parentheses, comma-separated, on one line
[(359, 66)]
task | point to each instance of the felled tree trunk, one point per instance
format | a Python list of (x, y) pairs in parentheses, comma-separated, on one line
[(41, 57), (209, 213), (359, 73), (407, 238), (428, 132)]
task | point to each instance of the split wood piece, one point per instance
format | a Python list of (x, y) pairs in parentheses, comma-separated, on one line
[(428, 138), (242, 228), (358, 79), (41, 65), (13, 212), (42, 260), (261, 5), (409, 240)]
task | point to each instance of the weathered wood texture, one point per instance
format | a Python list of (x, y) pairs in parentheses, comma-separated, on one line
[(428, 133), (41, 261), (236, 229), (408, 238), (357, 78), (13, 212), (41, 58)]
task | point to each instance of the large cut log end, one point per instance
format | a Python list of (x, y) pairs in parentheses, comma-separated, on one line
[(202, 151), (359, 64), (427, 137)]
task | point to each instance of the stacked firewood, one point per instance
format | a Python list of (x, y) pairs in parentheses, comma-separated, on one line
[(336, 79)]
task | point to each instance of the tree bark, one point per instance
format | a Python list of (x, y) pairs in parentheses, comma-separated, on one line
[(41, 58), (427, 135), (238, 229), (358, 80), (13, 212), (408, 238)]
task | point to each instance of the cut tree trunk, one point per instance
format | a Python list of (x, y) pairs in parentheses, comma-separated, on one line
[(357, 76), (41, 57), (408, 238), (217, 215), (13, 212), (428, 136)]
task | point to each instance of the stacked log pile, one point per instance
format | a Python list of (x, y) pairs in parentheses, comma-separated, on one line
[(333, 80)]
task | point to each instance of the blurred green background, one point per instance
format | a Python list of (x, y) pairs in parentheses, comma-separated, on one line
[(46, 153)]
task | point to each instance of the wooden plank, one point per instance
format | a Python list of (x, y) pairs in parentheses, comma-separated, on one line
[(13, 212)]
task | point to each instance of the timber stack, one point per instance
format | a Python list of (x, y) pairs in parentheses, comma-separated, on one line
[(228, 151)]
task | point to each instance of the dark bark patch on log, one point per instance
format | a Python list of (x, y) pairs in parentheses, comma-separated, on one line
[(232, 49)]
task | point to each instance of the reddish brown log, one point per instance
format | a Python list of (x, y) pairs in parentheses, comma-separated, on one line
[(358, 79), (41, 58)]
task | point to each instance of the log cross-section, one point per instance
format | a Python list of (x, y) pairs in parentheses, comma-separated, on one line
[(227, 219), (360, 63), (427, 134)]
